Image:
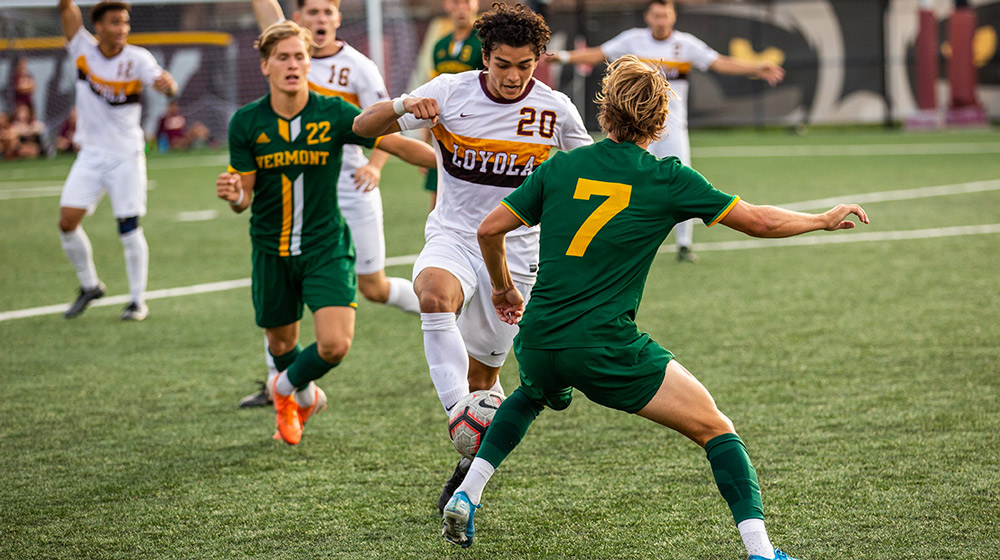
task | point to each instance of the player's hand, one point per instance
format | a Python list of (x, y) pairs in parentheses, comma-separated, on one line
[(423, 108), (835, 217), (509, 305), (165, 84), (771, 72), (367, 178), (229, 186)]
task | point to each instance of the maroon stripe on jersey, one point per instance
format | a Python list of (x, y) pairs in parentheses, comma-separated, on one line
[(495, 99)]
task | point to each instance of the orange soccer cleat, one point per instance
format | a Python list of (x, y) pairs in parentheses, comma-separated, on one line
[(287, 416)]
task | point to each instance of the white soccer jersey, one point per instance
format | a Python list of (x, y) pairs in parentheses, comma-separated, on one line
[(107, 94), (675, 55), (485, 147), (354, 77)]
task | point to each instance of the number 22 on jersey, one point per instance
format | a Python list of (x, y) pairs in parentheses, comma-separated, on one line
[(618, 195)]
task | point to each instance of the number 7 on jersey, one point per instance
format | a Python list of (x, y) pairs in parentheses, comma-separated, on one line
[(618, 195)]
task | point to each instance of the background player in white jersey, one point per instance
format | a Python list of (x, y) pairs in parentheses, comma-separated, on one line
[(676, 52), (110, 78), (491, 129), (338, 69)]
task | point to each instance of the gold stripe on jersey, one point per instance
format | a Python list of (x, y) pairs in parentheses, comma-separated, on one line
[(283, 129), (115, 93), (234, 170), (499, 163), (672, 69), (514, 212), (286, 217), (725, 211), (345, 95)]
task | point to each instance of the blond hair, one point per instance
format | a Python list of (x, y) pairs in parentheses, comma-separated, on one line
[(632, 103), (277, 32)]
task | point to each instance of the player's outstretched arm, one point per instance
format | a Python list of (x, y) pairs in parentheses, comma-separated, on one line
[(267, 12), (592, 55), (767, 71), (72, 19), (380, 118), (771, 221), (236, 189), (409, 150), (507, 301)]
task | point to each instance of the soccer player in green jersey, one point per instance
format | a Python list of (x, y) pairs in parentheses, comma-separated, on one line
[(284, 152), (459, 51), (606, 210)]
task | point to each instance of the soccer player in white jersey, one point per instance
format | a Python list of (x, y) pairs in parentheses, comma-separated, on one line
[(110, 78), (491, 129), (339, 70), (676, 53)]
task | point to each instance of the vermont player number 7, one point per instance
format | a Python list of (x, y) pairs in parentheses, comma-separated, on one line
[(618, 197)]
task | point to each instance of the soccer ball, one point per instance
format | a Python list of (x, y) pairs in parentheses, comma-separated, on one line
[(469, 419)]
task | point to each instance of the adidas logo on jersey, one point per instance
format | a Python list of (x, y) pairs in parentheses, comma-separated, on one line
[(263, 139)]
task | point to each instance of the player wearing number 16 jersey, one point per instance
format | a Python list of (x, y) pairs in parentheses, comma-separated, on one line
[(491, 130)]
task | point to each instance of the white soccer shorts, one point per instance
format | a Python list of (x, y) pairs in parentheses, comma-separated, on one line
[(487, 338), (95, 172), (363, 213)]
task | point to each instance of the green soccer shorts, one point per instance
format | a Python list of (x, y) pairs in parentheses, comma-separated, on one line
[(281, 285), (431, 182), (620, 377)]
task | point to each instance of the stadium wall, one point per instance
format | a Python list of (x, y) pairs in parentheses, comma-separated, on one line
[(847, 61)]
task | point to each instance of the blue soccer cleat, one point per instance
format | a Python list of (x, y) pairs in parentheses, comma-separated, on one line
[(778, 555), (456, 525)]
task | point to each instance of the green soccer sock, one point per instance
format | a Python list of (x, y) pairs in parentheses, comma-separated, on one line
[(308, 366), (508, 427), (282, 362), (735, 476)]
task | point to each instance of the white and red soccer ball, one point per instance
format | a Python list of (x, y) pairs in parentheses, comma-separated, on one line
[(469, 419)]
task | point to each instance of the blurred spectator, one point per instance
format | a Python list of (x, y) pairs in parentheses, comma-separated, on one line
[(8, 141), (22, 83), (65, 142), (199, 136), (172, 133), (29, 132)]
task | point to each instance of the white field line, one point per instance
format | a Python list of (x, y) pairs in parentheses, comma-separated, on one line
[(700, 247), (124, 299), (834, 238), (844, 151), (903, 194), (44, 191), (959, 188)]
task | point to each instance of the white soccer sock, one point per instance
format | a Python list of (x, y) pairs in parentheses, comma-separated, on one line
[(755, 537), (284, 387), (447, 358), (684, 233), (498, 387), (401, 295), (76, 244), (307, 396), (136, 263), (475, 481)]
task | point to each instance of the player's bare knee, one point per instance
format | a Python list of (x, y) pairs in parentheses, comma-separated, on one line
[(713, 426), (373, 290), (433, 302), (67, 226), (334, 350)]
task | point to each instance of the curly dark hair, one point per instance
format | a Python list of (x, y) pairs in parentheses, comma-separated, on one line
[(515, 26)]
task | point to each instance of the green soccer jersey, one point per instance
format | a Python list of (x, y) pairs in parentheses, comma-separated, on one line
[(604, 211), (297, 162), (451, 57)]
